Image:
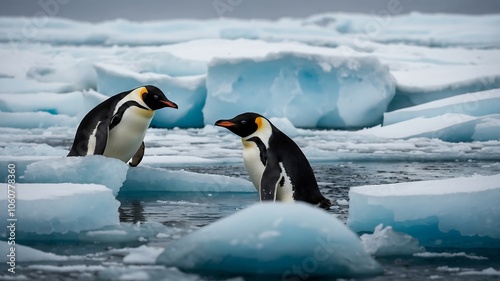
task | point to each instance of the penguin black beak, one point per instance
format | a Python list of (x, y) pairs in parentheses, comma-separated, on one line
[(224, 123), (169, 104)]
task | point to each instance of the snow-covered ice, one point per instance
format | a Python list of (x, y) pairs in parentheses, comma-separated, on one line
[(95, 169), (142, 179), (60, 208), (457, 212), (241, 244), (472, 104)]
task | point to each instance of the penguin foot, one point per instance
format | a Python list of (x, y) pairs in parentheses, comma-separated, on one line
[(325, 204)]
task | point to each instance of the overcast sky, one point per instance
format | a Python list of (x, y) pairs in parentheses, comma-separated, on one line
[(99, 10)]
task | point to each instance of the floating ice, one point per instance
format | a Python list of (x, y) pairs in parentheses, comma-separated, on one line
[(386, 242), (450, 127), (60, 208), (27, 254), (188, 92), (490, 271), (472, 104), (257, 241), (458, 212), (141, 179), (143, 255), (311, 90), (95, 169)]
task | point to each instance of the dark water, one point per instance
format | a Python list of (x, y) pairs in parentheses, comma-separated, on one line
[(189, 211)]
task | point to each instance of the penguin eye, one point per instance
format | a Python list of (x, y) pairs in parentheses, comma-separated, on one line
[(243, 122), (155, 97)]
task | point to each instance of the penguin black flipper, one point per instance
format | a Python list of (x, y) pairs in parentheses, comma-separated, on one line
[(137, 158), (270, 178), (101, 137)]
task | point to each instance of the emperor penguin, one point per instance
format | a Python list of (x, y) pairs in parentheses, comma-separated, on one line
[(276, 165), (116, 127)]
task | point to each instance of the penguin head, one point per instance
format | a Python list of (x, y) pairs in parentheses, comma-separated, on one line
[(155, 99), (246, 124)]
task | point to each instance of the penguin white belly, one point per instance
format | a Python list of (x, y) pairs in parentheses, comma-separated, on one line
[(285, 192), (125, 138), (253, 164)]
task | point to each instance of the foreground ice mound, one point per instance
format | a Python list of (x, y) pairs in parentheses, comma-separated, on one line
[(310, 89), (60, 208), (285, 240), (458, 212), (95, 169), (141, 179)]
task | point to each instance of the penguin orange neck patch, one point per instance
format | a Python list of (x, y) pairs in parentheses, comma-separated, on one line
[(258, 121)]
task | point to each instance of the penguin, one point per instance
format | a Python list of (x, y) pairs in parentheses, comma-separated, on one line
[(116, 127), (276, 165)]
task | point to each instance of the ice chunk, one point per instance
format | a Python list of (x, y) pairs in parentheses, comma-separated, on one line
[(27, 254), (310, 89), (95, 169), (472, 104), (386, 242), (141, 179), (488, 271), (188, 92), (457, 212), (60, 208), (451, 127), (143, 255), (258, 239)]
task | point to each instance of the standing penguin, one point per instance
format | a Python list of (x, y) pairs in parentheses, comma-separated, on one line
[(276, 165), (117, 126)]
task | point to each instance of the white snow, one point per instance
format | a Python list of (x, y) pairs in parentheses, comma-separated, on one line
[(60, 208), (437, 213), (241, 244)]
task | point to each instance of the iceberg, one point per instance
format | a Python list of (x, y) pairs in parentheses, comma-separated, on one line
[(288, 240), (143, 179), (60, 208), (188, 92), (92, 169), (458, 212), (311, 90)]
